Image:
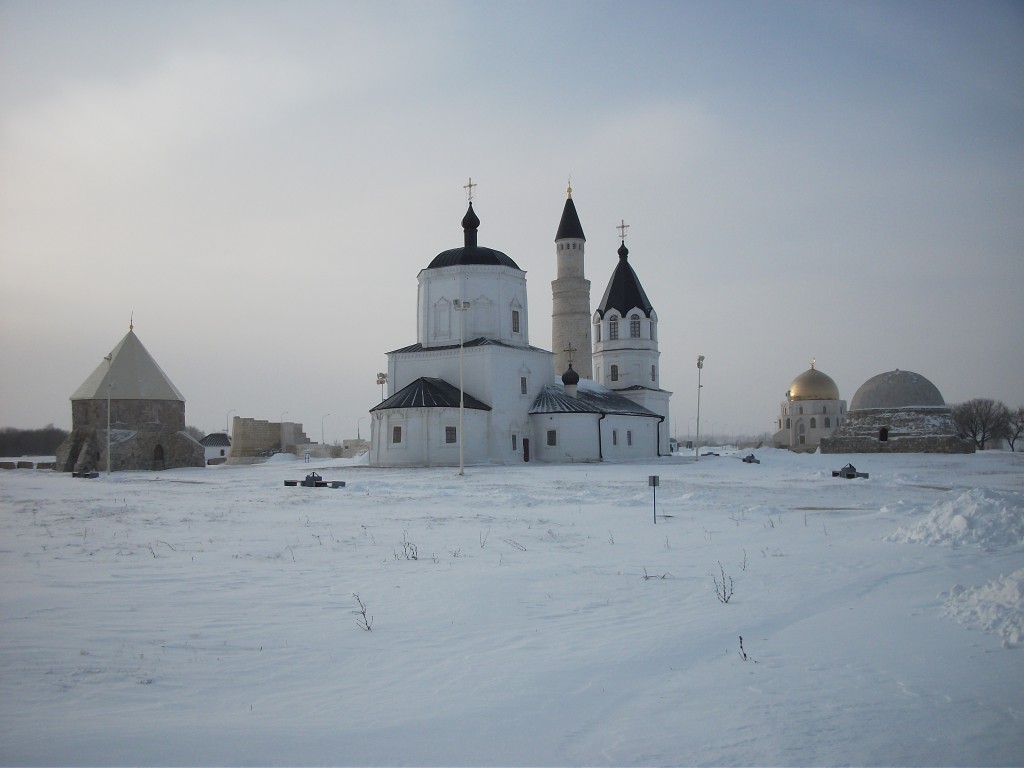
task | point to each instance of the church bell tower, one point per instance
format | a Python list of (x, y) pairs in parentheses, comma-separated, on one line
[(570, 297)]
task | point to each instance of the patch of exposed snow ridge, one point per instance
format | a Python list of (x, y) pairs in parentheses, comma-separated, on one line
[(985, 518), (996, 607)]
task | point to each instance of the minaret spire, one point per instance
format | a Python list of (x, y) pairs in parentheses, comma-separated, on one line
[(570, 295)]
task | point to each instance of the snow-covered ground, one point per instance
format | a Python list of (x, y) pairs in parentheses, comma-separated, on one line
[(522, 615)]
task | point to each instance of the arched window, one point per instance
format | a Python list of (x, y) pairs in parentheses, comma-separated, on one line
[(597, 331), (654, 374), (634, 326), (801, 410), (828, 422), (789, 423), (824, 409), (814, 423), (615, 373), (883, 434), (613, 328)]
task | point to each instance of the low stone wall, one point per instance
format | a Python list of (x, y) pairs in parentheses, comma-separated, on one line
[(255, 438)]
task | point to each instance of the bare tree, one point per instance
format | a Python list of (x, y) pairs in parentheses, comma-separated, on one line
[(1015, 426), (983, 420)]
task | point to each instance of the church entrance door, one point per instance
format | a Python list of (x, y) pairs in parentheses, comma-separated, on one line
[(526, 449)]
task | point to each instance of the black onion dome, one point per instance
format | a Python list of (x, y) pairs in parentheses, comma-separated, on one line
[(570, 377), (624, 290), (471, 253), (470, 220)]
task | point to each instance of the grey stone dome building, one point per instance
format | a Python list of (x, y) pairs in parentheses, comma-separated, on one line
[(897, 412), (129, 404)]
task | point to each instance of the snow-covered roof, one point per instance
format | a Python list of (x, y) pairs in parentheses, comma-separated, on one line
[(128, 373)]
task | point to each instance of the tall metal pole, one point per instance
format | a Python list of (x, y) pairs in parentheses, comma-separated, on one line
[(109, 358), (322, 440), (461, 307), (700, 367)]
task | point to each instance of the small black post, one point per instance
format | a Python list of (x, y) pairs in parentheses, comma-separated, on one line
[(654, 481)]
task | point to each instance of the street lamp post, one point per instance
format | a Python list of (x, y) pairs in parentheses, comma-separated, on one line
[(227, 420), (700, 367), (322, 440), (358, 435), (461, 307), (382, 379), (110, 385)]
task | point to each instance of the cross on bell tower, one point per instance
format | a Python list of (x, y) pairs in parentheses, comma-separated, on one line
[(469, 189)]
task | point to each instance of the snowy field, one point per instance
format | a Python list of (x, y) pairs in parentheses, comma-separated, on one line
[(524, 615)]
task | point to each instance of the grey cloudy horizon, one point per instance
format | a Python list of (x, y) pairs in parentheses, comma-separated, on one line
[(258, 184)]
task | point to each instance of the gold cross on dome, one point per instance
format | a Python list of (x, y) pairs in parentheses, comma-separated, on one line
[(622, 227), (469, 189)]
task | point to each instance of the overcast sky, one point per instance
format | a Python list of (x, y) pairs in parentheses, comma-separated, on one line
[(260, 183)]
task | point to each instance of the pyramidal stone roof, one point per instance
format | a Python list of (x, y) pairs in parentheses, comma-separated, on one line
[(130, 374), (624, 290)]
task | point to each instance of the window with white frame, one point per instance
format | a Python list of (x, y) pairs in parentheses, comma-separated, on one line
[(634, 326)]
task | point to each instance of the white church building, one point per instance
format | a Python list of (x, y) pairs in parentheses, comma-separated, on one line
[(519, 402)]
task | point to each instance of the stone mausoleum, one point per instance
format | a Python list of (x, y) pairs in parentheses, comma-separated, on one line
[(130, 405), (897, 412)]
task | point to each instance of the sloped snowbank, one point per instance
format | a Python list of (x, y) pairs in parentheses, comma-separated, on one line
[(986, 518), (996, 607)]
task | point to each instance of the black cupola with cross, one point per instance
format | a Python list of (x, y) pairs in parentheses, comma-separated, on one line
[(471, 252), (624, 291)]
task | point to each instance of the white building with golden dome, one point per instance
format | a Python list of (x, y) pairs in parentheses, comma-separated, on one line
[(812, 410)]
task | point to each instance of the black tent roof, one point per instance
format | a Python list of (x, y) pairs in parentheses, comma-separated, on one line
[(428, 392)]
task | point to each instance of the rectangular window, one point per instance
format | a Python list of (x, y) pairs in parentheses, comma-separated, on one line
[(449, 434), (515, 441), (522, 385), (597, 331), (615, 373), (653, 374), (396, 435), (615, 437), (551, 437), (629, 437), (515, 321)]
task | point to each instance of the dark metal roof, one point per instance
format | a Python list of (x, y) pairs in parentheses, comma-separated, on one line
[(569, 226), (470, 252), (479, 341), (552, 399), (427, 392), (472, 255), (624, 290), (216, 440)]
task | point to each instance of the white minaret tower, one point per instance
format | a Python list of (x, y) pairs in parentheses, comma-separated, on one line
[(570, 297)]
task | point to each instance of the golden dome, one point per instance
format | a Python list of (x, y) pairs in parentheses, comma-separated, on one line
[(812, 384)]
